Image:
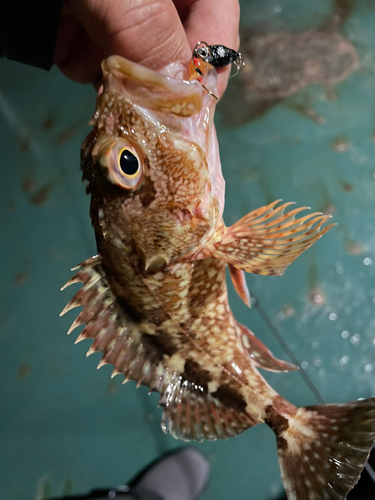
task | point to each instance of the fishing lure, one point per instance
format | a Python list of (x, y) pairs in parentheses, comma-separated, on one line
[(218, 56), (207, 57)]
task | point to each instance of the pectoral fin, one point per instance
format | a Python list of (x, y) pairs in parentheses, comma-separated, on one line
[(266, 240)]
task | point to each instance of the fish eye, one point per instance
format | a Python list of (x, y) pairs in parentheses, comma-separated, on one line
[(129, 163), (122, 161)]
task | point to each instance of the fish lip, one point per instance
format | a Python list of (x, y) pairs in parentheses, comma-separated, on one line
[(133, 70), (174, 95)]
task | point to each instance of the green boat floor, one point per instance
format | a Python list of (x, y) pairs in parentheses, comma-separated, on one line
[(64, 426)]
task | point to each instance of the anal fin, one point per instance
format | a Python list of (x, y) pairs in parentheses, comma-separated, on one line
[(267, 240), (193, 414)]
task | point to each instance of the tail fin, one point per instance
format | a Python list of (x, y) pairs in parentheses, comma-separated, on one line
[(323, 449)]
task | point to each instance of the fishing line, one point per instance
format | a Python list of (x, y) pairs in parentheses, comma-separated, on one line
[(288, 351)]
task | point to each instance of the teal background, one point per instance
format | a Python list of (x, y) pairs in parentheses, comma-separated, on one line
[(66, 427)]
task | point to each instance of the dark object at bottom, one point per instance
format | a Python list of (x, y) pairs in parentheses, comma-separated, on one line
[(181, 474)]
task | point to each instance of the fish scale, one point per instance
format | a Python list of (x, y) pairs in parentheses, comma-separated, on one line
[(155, 298)]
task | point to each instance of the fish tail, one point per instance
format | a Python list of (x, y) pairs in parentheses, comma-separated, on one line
[(323, 449)]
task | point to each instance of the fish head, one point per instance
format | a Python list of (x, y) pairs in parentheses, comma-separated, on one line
[(152, 163)]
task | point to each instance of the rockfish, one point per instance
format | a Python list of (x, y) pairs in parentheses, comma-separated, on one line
[(155, 298)]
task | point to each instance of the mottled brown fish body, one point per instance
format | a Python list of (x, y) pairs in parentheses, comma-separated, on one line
[(155, 298)]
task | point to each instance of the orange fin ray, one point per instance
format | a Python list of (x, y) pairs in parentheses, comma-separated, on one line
[(266, 241), (264, 213), (295, 227), (272, 228), (261, 355), (282, 220), (323, 449), (239, 283)]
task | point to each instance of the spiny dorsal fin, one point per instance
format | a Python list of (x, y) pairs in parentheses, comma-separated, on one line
[(115, 334), (266, 240)]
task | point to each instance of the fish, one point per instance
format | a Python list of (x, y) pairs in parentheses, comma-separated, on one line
[(154, 298)]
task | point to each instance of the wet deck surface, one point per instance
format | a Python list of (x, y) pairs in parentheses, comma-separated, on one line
[(66, 427)]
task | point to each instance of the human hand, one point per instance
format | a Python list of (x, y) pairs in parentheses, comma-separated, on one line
[(150, 32)]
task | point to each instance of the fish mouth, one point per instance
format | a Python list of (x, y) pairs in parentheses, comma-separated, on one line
[(151, 89)]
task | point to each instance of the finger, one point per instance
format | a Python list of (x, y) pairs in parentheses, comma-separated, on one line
[(213, 22), (149, 32)]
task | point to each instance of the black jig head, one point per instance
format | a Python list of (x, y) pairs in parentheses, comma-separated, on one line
[(219, 56)]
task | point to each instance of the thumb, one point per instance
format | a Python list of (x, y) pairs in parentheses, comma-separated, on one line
[(148, 32)]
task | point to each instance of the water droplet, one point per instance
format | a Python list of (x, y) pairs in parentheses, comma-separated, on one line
[(371, 293), (354, 248), (333, 317), (344, 360), (304, 365), (317, 296), (339, 267), (275, 489), (345, 334), (315, 345), (340, 145), (317, 363), (368, 368), (278, 9), (354, 339), (288, 311), (367, 261)]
